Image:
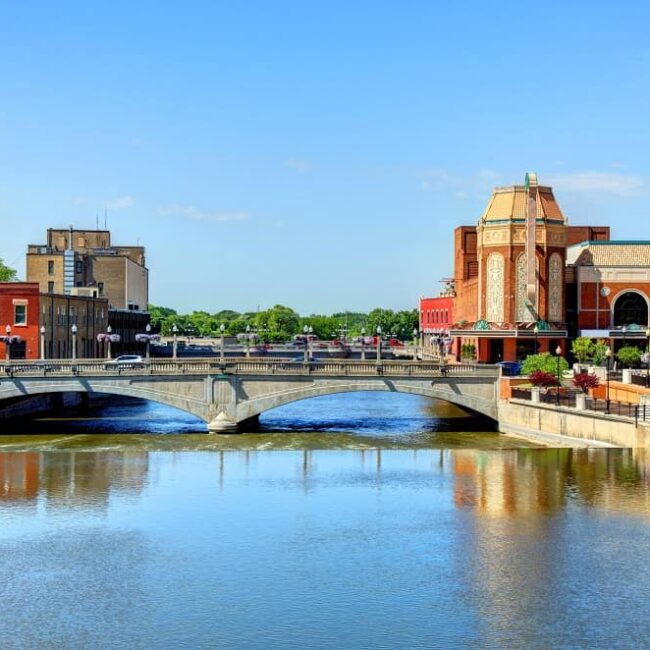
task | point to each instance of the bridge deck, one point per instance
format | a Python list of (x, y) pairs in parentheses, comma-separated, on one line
[(245, 366)]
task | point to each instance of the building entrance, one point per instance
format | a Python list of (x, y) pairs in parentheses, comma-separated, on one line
[(496, 350)]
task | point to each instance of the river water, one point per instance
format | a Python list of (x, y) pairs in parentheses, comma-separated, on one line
[(350, 521)]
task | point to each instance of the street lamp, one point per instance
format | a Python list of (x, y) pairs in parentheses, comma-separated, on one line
[(147, 329), (624, 329), (42, 342), (558, 352), (8, 342), (305, 331), (647, 357), (378, 344), (536, 332), (608, 357), (222, 351), (415, 344), (74, 341), (175, 344), (248, 341), (363, 344), (109, 331)]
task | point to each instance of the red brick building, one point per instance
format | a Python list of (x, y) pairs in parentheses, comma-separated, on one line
[(609, 283), (437, 318), (19, 320), (510, 275)]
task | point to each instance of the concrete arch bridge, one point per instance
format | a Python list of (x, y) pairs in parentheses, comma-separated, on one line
[(227, 395)]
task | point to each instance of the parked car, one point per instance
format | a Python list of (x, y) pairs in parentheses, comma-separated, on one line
[(510, 368), (125, 362)]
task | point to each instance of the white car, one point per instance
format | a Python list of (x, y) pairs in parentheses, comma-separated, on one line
[(126, 361)]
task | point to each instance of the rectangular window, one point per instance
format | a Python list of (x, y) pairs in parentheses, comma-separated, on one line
[(79, 267), (20, 314), (100, 286), (50, 267), (50, 287)]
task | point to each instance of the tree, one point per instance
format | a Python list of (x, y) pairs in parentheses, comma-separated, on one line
[(599, 352), (629, 356), (582, 349), (7, 274), (546, 362), (158, 315)]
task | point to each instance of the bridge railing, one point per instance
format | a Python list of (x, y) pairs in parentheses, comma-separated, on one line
[(243, 366)]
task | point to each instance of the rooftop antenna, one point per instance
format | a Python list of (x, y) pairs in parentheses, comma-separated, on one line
[(105, 218)]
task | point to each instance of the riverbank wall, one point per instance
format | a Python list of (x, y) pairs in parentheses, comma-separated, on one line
[(567, 427)]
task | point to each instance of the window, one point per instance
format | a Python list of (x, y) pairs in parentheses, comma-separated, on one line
[(79, 266), (50, 287), (100, 286), (50, 267), (20, 314)]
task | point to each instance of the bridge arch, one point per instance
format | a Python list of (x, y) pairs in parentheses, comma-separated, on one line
[(446, 392)]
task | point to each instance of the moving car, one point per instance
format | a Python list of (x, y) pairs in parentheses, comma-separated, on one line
[(125, 362)]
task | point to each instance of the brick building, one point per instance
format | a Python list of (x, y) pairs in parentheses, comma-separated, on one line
[(510, 275), (19, 320), (609, 284), (437, 317), (76, 261)]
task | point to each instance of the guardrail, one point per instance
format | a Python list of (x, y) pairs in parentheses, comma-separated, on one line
[(211, 366), (637, 412)]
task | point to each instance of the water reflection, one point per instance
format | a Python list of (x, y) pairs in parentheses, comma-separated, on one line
[(506, 483), (324, 548)]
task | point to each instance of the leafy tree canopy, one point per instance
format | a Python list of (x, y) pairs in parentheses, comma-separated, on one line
[(7, 274)]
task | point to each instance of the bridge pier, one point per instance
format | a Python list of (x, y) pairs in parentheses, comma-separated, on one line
[(224, 424)]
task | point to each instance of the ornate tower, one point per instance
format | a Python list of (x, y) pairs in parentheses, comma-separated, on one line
[(521, 250)]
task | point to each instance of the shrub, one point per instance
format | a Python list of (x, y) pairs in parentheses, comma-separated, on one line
[(582, 349), (598, 353), (546, 362), (542, 379), (629, 356), (584, 381)]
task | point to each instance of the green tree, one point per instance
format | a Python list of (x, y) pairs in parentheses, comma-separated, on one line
[(158, 315), (7, 274), (629, 356), (279, 323), (324, 327), (544, 362), (582, 349), (599, 352)]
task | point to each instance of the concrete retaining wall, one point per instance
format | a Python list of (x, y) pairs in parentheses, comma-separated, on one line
[(555, 426)]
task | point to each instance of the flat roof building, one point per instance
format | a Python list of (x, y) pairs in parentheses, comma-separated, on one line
[(85, 262)]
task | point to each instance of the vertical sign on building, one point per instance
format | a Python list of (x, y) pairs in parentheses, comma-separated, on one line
[(531, 258)]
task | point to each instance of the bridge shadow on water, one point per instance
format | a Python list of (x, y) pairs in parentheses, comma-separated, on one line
[(344, 421)]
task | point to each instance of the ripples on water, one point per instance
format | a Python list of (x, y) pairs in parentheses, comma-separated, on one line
[(346, 421), (109, 544)]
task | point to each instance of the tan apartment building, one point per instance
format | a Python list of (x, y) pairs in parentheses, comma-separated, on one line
[(85, 262)]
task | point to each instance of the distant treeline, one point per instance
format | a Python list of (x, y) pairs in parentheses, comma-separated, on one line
[(280, 323)]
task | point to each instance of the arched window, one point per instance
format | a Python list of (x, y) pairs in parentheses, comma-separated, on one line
[(631, 308)]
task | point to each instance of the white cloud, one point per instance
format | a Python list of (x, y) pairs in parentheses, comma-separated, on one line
[(602, 182), (298, 165), (190, 212), (439, 180), (119, 203)]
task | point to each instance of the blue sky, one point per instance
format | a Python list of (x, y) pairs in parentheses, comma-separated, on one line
[(317, 155)]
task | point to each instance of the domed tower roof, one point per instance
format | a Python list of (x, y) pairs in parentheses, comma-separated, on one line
[(509, 204)]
